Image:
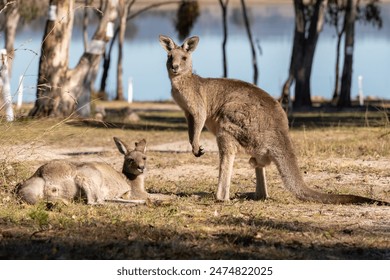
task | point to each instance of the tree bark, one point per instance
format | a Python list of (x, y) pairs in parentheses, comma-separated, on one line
[(81, 77), (296, 55), (340, 33), (224, 5), (61, 90), (337, 68), (106, 67), (123, 11), (253, 49), (85, 25), (346, 80), (11, 23), (53, 63), (5, 87), (306, 33), (303, 74)]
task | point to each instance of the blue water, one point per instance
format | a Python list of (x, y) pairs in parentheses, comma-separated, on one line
[(144, 59)]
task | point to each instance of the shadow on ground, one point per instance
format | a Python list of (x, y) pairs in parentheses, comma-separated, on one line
[(324, 116), (135, 241)]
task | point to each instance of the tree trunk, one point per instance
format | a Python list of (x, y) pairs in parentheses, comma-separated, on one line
[(85, 25), (305, 41), (5, 88), (299, 50), (81, 77), (106, 68), (296, 55), (309, 43), (53, 63), (11, 23), (60, 90), (224, 5), (346, 80), (337, 68), (123, 11), (253, 50), (340, 33)]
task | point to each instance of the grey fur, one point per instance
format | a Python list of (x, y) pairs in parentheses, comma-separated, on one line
[(240, 115), (97, 182)]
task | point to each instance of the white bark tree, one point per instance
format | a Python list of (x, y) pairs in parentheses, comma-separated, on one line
[(61, 90)]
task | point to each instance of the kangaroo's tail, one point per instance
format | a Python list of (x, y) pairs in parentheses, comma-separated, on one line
[(288, 168), (312, 195)]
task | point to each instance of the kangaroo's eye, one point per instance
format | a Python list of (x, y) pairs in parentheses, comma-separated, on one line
[(144, 158), (129, 159), (184, 58)]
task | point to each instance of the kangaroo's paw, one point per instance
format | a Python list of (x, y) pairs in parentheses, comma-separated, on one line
[(198, 152)]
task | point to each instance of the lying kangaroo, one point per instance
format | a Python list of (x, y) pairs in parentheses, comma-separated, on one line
[(239, 114), (96, 182)]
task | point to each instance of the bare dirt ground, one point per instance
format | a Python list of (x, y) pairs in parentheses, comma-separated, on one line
[(193, 226)]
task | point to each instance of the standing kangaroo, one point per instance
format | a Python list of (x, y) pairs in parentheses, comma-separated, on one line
[(97, 182), (239, 114)]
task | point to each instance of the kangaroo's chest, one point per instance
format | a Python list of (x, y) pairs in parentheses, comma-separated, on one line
[(190, 100), (184, 99)]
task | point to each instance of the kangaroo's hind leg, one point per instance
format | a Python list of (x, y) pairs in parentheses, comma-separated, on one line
[(227, 152), (32, 190), (259, 164), (261, 184), (90, 182)]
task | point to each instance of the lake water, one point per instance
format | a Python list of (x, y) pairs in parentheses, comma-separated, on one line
[(272, 26)]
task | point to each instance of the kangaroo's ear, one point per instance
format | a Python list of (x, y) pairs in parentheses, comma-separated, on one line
[(190, 44), (121, 146), (167, 43), (141, 146)]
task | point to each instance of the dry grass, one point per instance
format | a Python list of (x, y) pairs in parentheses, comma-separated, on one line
[(336, 158)]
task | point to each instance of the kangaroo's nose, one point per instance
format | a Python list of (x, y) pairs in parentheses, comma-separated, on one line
[(175, 67)]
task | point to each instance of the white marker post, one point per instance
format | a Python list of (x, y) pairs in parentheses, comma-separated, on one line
[(360, 92), (20, 93), (4, 77), (130, 90), (52, 13), (110, 29)]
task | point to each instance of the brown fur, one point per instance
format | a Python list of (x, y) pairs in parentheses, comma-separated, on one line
[(240, 115), (96, 182)]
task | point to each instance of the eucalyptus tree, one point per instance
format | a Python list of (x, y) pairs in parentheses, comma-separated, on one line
[(224, 5), (355, 11), (61, 90), (309, 21)]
